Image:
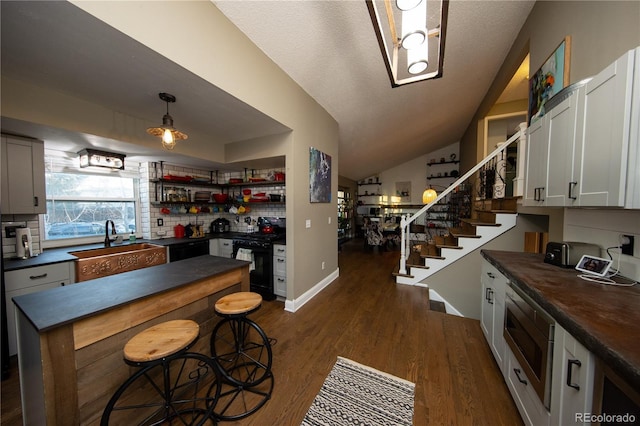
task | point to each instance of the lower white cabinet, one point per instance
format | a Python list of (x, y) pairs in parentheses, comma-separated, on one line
[(532, 410), (222, 247), (573, 379), (280, 270), (492, 321), (30, 280)]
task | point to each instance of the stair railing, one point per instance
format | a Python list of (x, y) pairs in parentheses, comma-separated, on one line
[(408, 219)]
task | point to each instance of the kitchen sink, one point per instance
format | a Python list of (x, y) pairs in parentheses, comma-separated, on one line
[(102, 262)]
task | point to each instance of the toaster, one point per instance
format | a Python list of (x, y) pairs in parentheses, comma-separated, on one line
[(567, 254)]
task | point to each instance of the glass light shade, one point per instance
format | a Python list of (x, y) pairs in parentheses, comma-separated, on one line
[(429, 195), (414, 26), (417, 59), (407, 4)]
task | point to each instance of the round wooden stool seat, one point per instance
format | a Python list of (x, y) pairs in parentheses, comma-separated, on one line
[(238, 303), (161, 340)]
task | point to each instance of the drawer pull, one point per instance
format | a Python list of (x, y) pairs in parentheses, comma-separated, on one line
[(570, 364), (520, 379), (37, 277), (281, 280), (491, 275), (280, 260)]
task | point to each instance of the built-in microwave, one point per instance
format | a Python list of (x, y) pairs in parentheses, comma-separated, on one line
[(529, 330)]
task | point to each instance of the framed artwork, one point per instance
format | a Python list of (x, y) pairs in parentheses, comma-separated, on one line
[(403, 190), (319, 176), (552, 77)]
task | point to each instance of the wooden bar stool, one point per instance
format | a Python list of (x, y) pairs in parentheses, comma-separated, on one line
[(242, 352), (171, 385)]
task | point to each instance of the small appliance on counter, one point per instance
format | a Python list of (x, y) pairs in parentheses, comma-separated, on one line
[(24, 243), (567, 254), (220, 226)]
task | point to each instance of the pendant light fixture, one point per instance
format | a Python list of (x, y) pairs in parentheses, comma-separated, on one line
[(411, 35), (429, 195), (167, 132)]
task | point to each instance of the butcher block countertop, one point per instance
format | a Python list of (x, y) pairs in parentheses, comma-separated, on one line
[(604, 318)]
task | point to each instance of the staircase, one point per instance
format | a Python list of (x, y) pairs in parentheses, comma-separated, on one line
[(419, 260), (427, 258)]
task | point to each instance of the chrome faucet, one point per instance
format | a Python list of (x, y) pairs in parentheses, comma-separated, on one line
[(107, 241)]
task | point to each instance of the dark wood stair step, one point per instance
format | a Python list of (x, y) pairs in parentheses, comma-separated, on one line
[(437, 306)]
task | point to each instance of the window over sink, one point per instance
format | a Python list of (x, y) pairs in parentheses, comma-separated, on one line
[(80, 203)]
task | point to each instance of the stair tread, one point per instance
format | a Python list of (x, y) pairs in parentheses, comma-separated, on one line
[(396, 273), (437, 306), (474, 223), (449, 247), (455, 234), (430, 256)]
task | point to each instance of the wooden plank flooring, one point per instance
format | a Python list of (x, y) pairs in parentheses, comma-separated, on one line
[(366, 317)]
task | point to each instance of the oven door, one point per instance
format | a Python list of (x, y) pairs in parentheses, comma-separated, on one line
[(261, 277), (529, 333)]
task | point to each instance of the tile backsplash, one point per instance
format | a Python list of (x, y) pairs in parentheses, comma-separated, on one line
[(9, 244)]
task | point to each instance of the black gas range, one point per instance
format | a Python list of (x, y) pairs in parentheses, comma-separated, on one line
[(258, 247)]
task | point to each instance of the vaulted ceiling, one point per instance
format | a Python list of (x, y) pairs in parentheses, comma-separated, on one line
[(328, 47)]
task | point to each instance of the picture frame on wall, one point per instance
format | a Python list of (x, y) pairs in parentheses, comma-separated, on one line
[(552, 77), (319, 176)]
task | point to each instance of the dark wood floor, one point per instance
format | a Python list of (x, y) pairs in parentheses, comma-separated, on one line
[(366, 317)]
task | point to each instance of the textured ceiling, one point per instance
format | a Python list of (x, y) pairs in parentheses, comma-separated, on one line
[(328, 47)]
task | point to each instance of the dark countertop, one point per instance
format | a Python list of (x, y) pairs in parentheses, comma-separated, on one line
[(61, 305), (61, 254), (605, 319)]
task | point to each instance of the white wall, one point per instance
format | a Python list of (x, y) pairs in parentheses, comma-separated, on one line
[(416, 172), (602, 227)]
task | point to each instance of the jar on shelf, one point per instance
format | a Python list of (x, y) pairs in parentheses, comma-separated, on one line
[(175, 194)]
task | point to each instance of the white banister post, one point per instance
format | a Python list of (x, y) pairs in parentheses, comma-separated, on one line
[(403, 244), (518, 181)]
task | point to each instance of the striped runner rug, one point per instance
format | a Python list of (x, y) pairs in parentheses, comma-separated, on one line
[(355, 394)]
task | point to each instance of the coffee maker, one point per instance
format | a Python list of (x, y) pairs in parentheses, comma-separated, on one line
[(24, 244)]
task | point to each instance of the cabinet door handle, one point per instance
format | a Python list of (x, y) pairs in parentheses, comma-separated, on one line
[(540, 194), (491, 275), (490, 299), (35, 201), (570, 364), (571, 186), (520, 379), (37, 277)]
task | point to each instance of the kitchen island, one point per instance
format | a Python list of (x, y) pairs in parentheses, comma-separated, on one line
[(70, 338)]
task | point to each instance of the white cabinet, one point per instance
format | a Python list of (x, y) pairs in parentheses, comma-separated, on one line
[(560, 185), (607, 136), (222, 247), (585, 151), (492, 321), (529, 405), (23, 181), (537, 156), (280, 270), (573, 379), (31, 280)]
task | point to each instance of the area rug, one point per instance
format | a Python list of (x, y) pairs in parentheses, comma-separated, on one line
[(354, 394)]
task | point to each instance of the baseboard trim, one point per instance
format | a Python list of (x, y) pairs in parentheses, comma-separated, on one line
[(295, 304)]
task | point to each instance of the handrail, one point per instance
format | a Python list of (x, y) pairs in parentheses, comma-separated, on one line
[(406, 220)]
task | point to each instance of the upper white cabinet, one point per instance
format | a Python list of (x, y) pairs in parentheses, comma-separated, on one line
[(607, 136), (584, 152), (537, 163), (23, 182)]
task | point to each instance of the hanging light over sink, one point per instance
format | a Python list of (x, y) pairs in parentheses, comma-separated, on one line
[(167, 132), (94, 158)]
